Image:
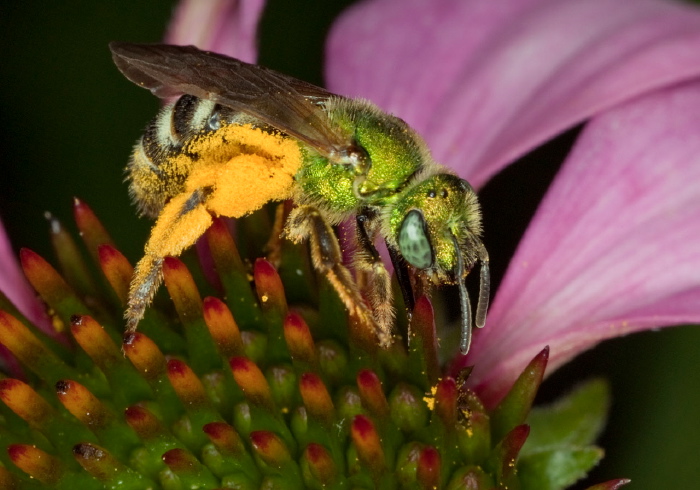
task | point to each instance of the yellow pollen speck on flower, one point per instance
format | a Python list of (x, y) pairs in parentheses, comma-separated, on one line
[(430, 399), (57, 324)]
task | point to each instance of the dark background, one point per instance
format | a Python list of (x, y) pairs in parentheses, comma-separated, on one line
[(68, 121)]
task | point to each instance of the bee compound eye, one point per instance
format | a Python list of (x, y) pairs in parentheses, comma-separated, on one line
[(413, 241)]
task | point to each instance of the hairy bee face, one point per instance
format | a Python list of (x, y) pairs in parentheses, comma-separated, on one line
[(436, 222)]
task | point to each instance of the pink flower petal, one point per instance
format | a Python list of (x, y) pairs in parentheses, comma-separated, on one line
[(15, 286), (225, 26), (486, 81), (613, 248)]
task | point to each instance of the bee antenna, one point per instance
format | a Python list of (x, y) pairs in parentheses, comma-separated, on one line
[(465, 305), (484, 288)]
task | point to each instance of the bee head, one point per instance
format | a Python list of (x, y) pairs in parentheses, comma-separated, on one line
[(436, 221), (436, 225)]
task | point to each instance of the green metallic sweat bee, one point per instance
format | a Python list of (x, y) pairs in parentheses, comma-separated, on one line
[(241, 135)]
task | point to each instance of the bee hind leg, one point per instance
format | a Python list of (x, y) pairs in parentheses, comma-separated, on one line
[(306, 222), (181, 222), (144, 284)]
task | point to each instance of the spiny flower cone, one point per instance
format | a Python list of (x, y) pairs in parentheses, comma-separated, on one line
[(268, 385)]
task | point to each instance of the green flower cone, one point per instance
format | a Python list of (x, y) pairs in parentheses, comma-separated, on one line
[(267, 385)]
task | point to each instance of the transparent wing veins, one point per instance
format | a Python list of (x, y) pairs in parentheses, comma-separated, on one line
[(283, 102)]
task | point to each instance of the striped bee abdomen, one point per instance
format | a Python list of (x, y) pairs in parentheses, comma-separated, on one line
[(161, 162)]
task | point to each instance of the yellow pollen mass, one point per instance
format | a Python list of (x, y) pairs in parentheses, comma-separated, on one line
[(230, 172), (174, 231), (244, 166)]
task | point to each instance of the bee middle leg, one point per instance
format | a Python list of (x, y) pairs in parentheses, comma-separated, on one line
[(273, 247), (368, 261), (307, 222)]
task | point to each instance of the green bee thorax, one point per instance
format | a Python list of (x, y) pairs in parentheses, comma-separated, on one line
[(395, 154), (325, 185)]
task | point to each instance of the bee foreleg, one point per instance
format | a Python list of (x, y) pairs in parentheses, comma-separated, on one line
[(368, 260), (403, 278), (306, 222), (181, 222)]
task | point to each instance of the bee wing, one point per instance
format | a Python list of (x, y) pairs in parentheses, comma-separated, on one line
[(285, 103)]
